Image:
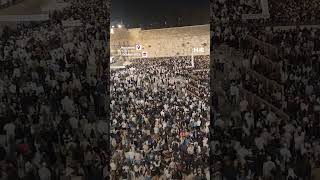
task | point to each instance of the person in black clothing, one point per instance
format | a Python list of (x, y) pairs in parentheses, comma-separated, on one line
[(228, 170)]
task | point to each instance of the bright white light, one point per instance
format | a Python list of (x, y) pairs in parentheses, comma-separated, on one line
[(119, 26), (111, 31), (112, 26)]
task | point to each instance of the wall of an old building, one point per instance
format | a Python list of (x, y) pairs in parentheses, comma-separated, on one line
[(167, 42)]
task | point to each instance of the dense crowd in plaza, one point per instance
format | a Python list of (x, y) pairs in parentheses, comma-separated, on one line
[(53, 96), (272, 131), (159, 128), (294, 12)]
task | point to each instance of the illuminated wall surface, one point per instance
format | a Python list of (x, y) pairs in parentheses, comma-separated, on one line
[(167, 42)]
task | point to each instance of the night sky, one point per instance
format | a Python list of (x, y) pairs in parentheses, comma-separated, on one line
[(134, 13)]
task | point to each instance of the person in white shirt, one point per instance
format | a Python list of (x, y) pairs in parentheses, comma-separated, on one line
[(74, 122), (13, 88), (198, 123), (67, 105), (243, 105), (271, 117), (16, 73), (102, 127), (10, 130), (234, 93), (190, 149), (113, 167), (299, 139), (268, 167), (44, 173), (285, 153), (260, 143), (291, 175)]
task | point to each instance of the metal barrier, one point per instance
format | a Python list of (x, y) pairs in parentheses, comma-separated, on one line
[(268, 83), (18, 18), (266, 62), (253, 99), (270, 50), (270, 66)]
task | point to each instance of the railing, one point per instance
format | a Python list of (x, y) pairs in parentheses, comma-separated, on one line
[(253, 99), (267, 61), (19, 18), (270, 50), (269, 64), (200, 70), (191, 89), (268, 83)]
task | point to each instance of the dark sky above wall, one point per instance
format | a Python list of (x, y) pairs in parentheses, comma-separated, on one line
[(134, 13)]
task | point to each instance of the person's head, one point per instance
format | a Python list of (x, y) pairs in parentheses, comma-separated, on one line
[(269, 158), (44, 164)]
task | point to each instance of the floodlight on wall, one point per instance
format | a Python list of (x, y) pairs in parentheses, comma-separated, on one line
[(112, 26), (119, 26)]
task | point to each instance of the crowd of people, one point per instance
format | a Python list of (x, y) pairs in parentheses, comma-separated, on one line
[(227, 24), (299, 69), (159, 128), (297, 44), (255, 141), (201, 62), (53, 96), (288, 12), (7, 3)]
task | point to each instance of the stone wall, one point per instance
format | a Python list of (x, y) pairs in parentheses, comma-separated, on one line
[(166, 42)]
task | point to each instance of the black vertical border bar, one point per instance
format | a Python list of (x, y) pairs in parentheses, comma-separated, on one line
[(108, 84), (211, 96)]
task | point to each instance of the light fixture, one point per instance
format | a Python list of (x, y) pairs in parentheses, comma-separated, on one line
[(119, 26), (112, 31), (112, 26)]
